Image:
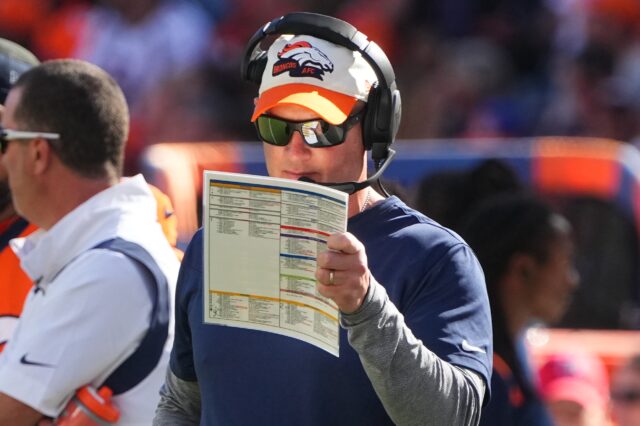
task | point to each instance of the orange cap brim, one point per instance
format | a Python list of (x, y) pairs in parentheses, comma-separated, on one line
[(332, 106)]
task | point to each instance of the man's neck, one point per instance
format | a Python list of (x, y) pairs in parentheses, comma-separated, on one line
[(516, 314), (64, 197), (7, 212)]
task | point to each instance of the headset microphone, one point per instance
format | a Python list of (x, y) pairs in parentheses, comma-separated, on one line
[(353, 187)]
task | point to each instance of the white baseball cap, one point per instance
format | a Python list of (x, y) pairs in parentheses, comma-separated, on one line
[(316, 74)]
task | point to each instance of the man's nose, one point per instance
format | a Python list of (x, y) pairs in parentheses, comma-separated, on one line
[(297, 145)]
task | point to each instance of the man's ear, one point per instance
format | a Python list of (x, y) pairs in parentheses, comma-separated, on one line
[(522, 267), (41, 156)]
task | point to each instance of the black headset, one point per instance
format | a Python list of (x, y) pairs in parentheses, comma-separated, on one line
[(383, 111)]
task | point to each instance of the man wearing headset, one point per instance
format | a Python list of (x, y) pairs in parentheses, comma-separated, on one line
[(416, 338)]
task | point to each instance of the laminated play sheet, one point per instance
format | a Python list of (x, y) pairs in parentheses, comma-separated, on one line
[(261, 239)]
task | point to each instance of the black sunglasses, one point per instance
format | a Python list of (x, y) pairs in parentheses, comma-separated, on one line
[(316, 133), (7, 135), (626, 396)]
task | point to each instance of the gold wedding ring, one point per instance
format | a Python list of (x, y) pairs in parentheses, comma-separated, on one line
[(331, 271)]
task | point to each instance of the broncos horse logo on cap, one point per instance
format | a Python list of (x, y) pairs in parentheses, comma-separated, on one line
[(301, 59)]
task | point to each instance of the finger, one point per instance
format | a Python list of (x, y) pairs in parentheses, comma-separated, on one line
[(330, 259), (344, 242), (338, 261), (326, 276)]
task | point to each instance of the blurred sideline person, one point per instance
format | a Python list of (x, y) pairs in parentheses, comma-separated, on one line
[(625, 393), (415, 342), (167, 219), (526, 252), (99, 311), (143, 44), (448, 196), (575, 388), (14, 283)]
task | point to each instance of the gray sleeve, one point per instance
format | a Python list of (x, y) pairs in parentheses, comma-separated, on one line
[(415, 386), (179, 402)]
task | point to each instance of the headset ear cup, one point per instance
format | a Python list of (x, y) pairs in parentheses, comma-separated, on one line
[(396, 108), (369, 133), (256, 67)]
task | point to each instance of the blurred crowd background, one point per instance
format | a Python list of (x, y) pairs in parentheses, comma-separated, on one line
[(466, 68)]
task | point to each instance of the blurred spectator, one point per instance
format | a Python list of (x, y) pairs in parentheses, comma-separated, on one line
[(18, 18), (142, 44), (217, 9), (487, 71), (378, 19), (625, 393), (575, 387), (448, 196), (526, 252), (167, 219), (607, 258), (59, 35), (467, 69), (201, 109), (241, 21), (596, 83)]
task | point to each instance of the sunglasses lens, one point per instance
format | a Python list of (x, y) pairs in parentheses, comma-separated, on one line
[(321, 134), (332, 135), (273, 131)]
